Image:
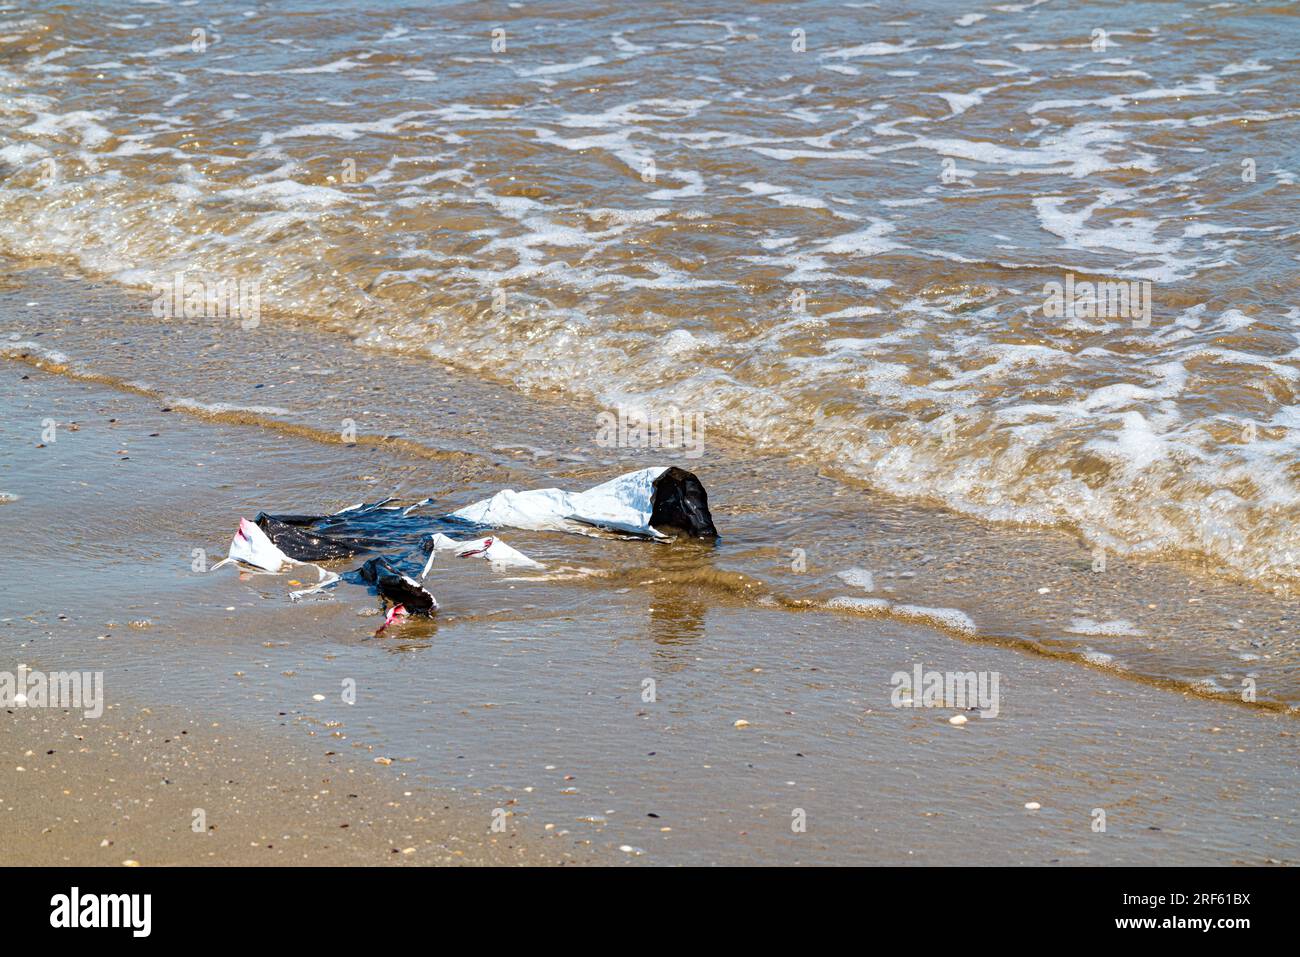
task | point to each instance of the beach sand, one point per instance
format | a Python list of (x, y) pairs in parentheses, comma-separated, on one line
[(156, 786), (531, 689)]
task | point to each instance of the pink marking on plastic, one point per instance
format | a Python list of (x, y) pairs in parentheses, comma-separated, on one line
[(397, 611), (476, 551)]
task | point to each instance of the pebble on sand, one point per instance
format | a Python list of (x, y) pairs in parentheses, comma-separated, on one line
[(1032, 805), (741, 723), (957, 719)]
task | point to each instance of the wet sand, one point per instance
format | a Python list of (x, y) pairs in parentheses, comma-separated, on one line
[(531, 688), (156, 786)]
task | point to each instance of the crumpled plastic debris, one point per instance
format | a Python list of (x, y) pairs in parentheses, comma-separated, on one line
[(654, 503), (492, 548), (408, 596), (251, 546), (651, 502)]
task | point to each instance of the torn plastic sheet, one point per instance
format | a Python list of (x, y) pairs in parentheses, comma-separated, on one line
[(398, 587), (354, 530), (491, 548), (251, 546), (655, 503)]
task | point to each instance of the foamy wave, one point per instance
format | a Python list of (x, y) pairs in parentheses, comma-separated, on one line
[(1119, 627), (948, 619), (21, 347), (222, 408)]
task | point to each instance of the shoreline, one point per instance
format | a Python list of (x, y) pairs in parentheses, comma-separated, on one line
[(1143, 620), (531, 692)]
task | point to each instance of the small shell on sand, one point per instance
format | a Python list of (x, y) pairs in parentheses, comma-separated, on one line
[(741, 723), (1032, 805), (957, 719)]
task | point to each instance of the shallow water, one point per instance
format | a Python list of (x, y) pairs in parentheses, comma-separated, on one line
[(528, 692), (796, 534), (840, 252)]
